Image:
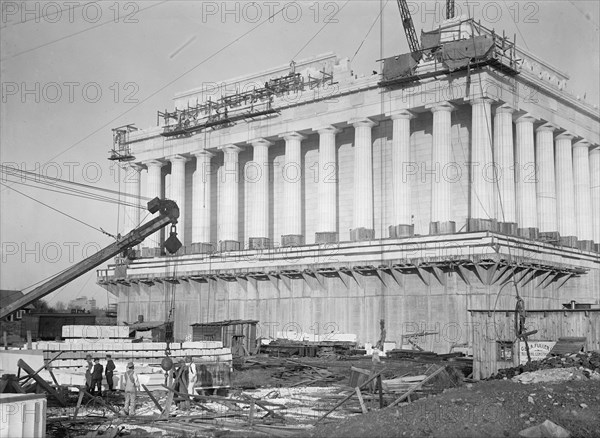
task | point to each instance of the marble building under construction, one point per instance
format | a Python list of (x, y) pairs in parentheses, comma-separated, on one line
[(317, 200)]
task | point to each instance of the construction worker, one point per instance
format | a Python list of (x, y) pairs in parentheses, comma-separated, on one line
[(132, 385), (88, 373), (192, 376), (97, 377), (109, 371)]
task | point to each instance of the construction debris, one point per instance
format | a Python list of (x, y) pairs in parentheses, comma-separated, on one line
[(588, 363)]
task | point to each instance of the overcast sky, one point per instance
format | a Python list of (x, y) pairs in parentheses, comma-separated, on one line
[(69, 77)]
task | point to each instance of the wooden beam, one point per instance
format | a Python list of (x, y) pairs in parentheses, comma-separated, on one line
[(543, 277), (361, 401), (274, 282), (529, 277), (158, 406), (417, 386), (481, 273), (439, 275), (381, 275), (491, 272), (287, 281), (397, 276), (41, 382), (560, 283), (243, 282), (502, 273), (548, 281)]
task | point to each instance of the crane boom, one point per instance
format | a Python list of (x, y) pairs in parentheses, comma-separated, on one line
[(409, 27), (169, 212)]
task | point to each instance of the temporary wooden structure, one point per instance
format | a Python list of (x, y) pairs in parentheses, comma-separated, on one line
[(494, 341)]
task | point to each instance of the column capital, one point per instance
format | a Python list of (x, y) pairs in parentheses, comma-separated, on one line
[(526, 118), (401, 114), (582, 143), (546, 127), (177, 157), (565, 136), (260, 142), (478, 100), (504, 109), (440, 106), (292, 136), (327, 129), (153, 163), (230, 148), (203, 153), (363, 121)]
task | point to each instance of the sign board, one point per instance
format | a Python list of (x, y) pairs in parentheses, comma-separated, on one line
[(538, 350)]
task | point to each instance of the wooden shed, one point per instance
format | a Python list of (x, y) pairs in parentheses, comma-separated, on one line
[(225, 331), (495, 345)]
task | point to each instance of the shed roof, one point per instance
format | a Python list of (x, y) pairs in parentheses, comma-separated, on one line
[(224, 323)]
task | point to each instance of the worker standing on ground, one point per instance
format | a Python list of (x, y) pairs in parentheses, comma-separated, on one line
[(88, 373), (192, 376), (109, 371), (132, 385), (97, 377)]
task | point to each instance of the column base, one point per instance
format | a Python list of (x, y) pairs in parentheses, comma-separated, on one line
[(585, 245), (148, 253), (508, 228), (292, 240), (570, 241), (259, 243), (528, 233), (229, 245), (401, 230), (326, 237), (482, 225), (442, 227), (362, 234), (552, 237), (201, 248)]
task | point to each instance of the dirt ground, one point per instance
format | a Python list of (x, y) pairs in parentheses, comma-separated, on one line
[(499, 408)]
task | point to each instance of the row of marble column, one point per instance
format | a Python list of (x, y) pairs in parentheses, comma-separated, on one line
[(545, 185)]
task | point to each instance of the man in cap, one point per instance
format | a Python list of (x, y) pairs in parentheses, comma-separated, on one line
[(97, 377), (88, 373), (109, 371), (132, 385)]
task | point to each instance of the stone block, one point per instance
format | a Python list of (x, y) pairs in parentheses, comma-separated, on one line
[(448, 227), (259, 243), (585, 245), (509, 228), (201, 248), (474, 225), (570, 241), (150, 252), (404, 230), (292, 240), (229, 245), (362, 234), (326, 237), (528, 233)]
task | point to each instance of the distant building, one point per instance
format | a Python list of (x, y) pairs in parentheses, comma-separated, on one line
[(8, 297), (82, 303)]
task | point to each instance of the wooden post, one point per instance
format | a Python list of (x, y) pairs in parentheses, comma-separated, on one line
[(360, 400), (29, 339), (5, 340), (380, 386), (252, 409), (79, 400)]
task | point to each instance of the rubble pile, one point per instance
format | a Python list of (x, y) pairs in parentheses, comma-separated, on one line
[(588, 362)]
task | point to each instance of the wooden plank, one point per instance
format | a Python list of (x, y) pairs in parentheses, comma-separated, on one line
[(28, 377), (153, 398), (165, 412), (361, 401), (41, 382), (380, 387), (348, 397), (79, 400), (418, 386)]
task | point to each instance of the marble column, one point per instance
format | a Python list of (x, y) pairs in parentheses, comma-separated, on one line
[(132, 193), (201, 211), (177, 194), (154, 189), (525, 174), (402, 221), (583, 195), (505, 158), (257, 176), (595, 194), (292, 190), (228, 203), (565, 191), (362, 222), (327, 231), (482, 211), (546, 184), (441, 156)]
